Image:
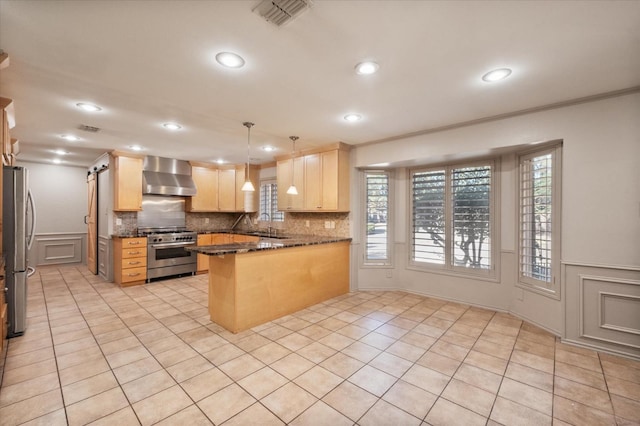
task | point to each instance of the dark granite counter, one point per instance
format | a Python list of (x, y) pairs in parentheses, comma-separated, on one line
[(266, 243)]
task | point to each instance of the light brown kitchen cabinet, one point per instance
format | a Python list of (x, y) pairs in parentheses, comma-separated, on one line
[(325, 180), (288, 202), (206, 179), (219, 189), (216, 240), (227, 190), (130, 260), (239, 238), (127, 185), (312, 182), (6, 107), (202, 265), (247, 201)]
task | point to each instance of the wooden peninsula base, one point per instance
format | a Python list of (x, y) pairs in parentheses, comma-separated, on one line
[(249, 289)]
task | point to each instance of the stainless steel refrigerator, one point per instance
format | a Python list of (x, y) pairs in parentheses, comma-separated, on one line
[(18, 223)]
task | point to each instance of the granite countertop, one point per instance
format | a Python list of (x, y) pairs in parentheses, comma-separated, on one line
[(265, 243)]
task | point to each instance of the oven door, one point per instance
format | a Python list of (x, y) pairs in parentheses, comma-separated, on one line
[(162, 255)]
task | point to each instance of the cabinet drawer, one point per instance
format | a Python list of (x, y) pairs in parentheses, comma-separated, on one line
[(133, 252), (204, 239), (134, 262), (134, 274), (134, 242)]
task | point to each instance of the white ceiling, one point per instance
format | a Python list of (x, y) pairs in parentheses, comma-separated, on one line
[(147, 63)]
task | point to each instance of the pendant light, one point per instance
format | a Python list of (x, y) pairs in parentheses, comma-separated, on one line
[(292, 189), (248, 186)]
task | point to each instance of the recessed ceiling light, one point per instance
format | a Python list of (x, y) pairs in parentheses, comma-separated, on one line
[(220, 161), (365, 68), (60, 152), (352, 118), (70, 138), (268, 148), (172, 126), (88, 107), (135, 147), (496, 75), (230, 60), (56, 161)]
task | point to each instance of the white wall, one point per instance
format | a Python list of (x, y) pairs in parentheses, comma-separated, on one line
[(60, 195), (600, 198)]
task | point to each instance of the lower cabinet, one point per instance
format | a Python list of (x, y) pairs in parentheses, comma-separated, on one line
[(129, 260), (216, 240), (203, 259)]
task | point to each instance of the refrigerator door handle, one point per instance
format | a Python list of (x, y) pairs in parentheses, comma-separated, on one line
[(32, 232)]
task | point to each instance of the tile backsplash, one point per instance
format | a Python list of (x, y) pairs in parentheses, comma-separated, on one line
[(294, 223)]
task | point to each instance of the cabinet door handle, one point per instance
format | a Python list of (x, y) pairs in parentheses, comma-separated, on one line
[(133, 243), (134, 274), (133, 252), (134, 263)]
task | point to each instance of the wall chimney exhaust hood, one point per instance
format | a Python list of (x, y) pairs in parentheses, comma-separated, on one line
[(166, 176)]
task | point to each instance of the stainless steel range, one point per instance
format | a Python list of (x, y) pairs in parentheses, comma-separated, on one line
[(166, 254)]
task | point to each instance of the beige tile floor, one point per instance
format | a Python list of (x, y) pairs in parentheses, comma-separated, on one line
[(96, 353)]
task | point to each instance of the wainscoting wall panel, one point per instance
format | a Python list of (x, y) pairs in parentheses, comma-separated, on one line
[(52, 249), (603, 307)]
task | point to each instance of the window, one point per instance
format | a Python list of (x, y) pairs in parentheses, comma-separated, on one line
[(452, 223), (538, 222), (377, 240), (269, 202)]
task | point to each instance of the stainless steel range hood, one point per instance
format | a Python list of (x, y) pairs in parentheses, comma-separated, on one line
[(167, 176)]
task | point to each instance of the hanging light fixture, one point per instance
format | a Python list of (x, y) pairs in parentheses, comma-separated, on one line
[(292, 189), (248, 186)]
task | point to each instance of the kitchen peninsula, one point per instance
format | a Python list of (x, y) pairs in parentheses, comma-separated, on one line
[(253, 283)]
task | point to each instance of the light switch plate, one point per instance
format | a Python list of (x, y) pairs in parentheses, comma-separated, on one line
[(118, 221)]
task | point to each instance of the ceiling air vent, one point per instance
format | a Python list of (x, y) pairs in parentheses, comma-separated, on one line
[(90, 129), (279, 12)]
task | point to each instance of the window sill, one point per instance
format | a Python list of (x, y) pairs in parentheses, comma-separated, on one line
[(550, 293), (493, 278)]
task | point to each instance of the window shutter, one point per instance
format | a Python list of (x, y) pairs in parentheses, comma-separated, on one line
[(377, 219), (428, 233), (471, 220), (536, 196)]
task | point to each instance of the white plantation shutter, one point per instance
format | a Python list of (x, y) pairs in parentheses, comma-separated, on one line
[(452, 218), (471, 221), (428, 192), (377, 230), (538, 222), (269, 201)]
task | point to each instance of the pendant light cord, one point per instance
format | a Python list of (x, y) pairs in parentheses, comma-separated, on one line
[(248, 125)]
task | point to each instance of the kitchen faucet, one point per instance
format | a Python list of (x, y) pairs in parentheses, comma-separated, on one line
[(270, 227)]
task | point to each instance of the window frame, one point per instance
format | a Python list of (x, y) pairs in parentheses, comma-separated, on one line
[(389, 261), (552, 288), (274, 207), (448, 268)]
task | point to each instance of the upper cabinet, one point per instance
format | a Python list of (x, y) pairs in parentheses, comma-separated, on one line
[(247, 201), (219, 189), (227, 190), (7, 121), (321, 178), (285, 168), (206, 179), (127, 182)]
